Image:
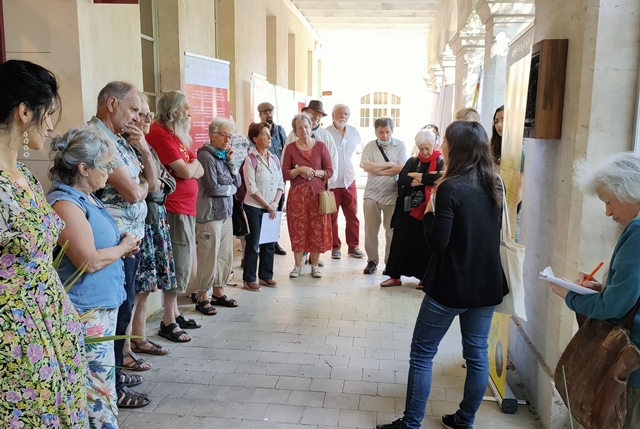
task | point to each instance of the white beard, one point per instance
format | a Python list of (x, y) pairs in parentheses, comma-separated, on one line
[(181, 130)]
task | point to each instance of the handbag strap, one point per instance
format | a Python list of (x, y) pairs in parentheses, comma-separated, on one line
[(627, 320), (384, 155), (505, 213)]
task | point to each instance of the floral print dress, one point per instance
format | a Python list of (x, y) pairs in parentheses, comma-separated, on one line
[(42, 363)]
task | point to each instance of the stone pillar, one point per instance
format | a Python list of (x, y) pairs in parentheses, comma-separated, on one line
[(501, 25), (468, 47), (448, 61)]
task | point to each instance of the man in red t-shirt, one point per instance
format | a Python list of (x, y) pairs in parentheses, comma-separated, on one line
[(169, 136)]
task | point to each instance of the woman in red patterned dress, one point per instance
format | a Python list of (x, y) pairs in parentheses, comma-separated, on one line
[(307, 164)]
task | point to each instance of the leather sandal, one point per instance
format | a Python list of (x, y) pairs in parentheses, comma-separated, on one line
[(167, 332), (138, 364), (155, 349), (187, 323), (128, 398), (131, 380), (206, 308), (223, 301)]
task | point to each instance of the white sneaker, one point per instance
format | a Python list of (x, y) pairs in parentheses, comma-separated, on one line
[(315, 272), (295, 273)]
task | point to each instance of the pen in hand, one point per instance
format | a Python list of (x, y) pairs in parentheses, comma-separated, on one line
[(593, 273)]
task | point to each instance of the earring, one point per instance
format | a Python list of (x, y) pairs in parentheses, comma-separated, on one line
[(26, 145)]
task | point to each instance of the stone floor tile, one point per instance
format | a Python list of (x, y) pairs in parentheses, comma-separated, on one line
[(284, 413), (378, 375), (392, 390), (258, 368), (341, 400), (283, 369), (320, 416), (339, 373), (377, 404), (271, 396), (265, 381), (309, 399), (314, 371), (303, 359), (366, 363), (293, 383), (246, 411), (360, 387), (352, 418), (326, 385)]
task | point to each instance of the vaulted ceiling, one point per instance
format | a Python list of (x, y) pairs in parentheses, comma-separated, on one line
[(415, 16)]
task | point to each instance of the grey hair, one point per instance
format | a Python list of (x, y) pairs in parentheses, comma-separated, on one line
[(300, 117), (619, 174), (216, 123), (340, 106), (383, 122), (425, 136), (87, 144), (117, 89), (468, 114), (143, 97), (169, 104)]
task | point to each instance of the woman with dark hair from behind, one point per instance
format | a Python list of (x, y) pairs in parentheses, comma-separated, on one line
[(496, 135), (42, 356), (464, 277)]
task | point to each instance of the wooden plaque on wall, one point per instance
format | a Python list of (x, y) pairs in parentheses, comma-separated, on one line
[(545, 95)]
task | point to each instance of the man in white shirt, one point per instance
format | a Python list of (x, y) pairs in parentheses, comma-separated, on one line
[(383, 159), (348, 141)]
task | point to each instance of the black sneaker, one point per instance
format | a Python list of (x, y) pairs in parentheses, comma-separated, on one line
[(280, 250), (450, 421), (398, 424), (371, 268)]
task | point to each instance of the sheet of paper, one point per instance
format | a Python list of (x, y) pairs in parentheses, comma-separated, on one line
[(270, 229), (547, 274)]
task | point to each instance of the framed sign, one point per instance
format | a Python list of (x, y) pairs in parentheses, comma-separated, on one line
[(116, 1)]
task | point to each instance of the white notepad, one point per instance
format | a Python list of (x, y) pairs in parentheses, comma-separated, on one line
[(547, 274)]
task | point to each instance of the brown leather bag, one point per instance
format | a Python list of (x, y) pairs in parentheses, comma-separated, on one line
[(597, 362)]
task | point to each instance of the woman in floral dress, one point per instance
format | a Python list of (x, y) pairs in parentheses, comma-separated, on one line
[(42, 364)]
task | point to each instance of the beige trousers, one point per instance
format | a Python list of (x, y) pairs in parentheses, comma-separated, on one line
[(374, 215), (215, 253)]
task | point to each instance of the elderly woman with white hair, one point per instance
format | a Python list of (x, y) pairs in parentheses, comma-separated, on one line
[(82, 160), (617, 183), (214, 227), (409, 254)]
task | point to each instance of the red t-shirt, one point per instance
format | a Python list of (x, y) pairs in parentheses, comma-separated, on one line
[(170, 149)]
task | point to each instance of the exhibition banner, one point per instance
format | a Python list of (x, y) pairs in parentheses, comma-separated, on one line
[(207, 89)]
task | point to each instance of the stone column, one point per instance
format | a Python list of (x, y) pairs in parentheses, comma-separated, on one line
[(468, 47), (502, 21)]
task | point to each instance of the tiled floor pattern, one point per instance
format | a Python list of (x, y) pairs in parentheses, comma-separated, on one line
[(309, 354)]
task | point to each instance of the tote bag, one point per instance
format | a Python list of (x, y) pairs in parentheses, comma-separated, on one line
[(512, 258), (596, 365)]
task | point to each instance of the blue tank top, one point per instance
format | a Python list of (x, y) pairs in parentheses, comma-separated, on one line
[(103, 288)]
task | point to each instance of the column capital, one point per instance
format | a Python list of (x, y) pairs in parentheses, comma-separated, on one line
[(506, 11)]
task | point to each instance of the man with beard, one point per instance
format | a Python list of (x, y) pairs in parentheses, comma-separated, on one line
[(169, 136), (383, 159), (347, 140), (124, 196), (278, 138)]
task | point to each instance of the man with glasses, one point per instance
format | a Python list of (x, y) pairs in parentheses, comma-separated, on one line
[(382, 159), (278, 138), (119, 106)]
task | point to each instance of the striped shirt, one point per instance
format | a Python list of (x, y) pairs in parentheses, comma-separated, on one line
[(382, 189)]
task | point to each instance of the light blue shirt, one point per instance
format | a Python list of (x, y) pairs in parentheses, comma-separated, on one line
[(103, 288)]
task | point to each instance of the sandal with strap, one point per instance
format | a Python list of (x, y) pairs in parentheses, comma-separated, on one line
[(131, 380), (166, 331), (156, 349), (128, 398), (205, 308), (223, 301), (187, 323), (139, 364), (194, 298)]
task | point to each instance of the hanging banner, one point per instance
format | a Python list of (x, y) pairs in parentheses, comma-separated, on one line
[(207, 88)]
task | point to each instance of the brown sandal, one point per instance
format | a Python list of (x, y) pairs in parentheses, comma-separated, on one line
[(138, 364), (156, 349)]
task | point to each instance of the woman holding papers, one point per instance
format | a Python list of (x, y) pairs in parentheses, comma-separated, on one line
[(617, 183), (464, 276), (264, 185)]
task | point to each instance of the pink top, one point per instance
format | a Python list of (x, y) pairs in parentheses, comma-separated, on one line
[(317, 158)]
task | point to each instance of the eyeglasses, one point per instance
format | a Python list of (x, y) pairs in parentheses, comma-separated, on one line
[(108, 168), (498, 121), (225, 136), (145, 116)]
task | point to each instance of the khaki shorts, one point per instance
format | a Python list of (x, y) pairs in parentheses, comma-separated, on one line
[(182, 229)]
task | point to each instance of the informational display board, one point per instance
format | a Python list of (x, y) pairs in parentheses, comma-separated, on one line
[(518, 64), (207, 88)]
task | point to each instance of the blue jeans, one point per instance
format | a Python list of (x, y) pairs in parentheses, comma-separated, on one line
[(124, 313), (433, 323), (253, 249)]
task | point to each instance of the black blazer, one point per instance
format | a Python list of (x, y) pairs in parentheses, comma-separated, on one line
[(464, 233)]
